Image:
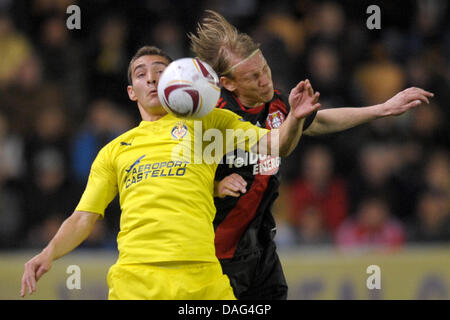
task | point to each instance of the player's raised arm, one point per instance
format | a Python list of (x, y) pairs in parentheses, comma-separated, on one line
[(73, 231), (339, 119)]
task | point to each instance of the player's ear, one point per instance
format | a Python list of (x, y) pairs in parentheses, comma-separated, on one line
[(131, 93), (228, 83)]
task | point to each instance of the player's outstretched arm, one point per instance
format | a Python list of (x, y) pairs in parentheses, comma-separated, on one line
[(230, 186), (339, 119), (72, 232)]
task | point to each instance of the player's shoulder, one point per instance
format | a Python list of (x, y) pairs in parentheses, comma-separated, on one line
[(227, 100), (280, 101), (122, 139), (222, 119), (221, 114)]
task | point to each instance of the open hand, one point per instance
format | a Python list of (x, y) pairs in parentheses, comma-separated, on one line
[(34, 269), (303, 100), (405, 100)]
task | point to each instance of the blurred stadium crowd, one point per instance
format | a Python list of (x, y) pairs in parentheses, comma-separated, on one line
[(384, 184)]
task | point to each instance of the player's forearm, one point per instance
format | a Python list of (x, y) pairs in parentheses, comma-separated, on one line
[(73, 231), (281, 142), (290, 133), (339, 119)]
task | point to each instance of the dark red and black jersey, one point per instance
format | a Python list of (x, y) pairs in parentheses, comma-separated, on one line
[(245, 224)]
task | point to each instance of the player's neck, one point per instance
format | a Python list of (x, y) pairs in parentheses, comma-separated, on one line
[(253, 105), (151, 113), (248, 103)]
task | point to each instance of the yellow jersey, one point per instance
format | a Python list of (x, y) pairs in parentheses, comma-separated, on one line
[(164, 175)]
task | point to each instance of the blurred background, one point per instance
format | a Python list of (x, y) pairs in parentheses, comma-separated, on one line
[(375, 194)]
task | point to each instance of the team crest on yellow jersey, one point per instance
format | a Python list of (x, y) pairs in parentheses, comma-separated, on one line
[(179, 130)]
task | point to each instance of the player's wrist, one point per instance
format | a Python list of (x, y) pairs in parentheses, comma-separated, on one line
[(49, 252), (295, 120), (382, 110)]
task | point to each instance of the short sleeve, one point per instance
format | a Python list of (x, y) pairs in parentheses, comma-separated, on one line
[(309, 119), (101, 187)]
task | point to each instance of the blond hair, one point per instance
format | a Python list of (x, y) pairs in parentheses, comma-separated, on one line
[(217, 42)]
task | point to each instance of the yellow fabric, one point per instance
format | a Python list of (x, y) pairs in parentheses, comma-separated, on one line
[(199, 281), (167, 202)]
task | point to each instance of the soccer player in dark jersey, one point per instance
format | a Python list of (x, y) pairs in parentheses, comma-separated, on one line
[(247, 184)]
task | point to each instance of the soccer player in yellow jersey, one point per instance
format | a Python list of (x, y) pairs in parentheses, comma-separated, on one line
[(166, 238)]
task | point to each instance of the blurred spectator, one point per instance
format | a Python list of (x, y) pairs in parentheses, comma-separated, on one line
[(238, 12), (437, 172), (108, 60), (326, 23), (432, 223), (45, 6), (50, 196), (169, 37), (11, 216), (11, 152), (62, 61), (104, 122), (374, 174), (288, 28), (372, 227), (285, 236), (11, 169), (275, 48), (325, 74), (50, 133), (380, 78), (311, 229), (14, 50), (27, 96), (428, 127), (428, 23), (319, 201), (422, 71)]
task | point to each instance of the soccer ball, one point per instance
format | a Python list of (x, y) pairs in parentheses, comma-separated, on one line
[(189, 87)]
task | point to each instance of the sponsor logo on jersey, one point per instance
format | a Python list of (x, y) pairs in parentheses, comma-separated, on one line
[(261, 164), (138, 173), (135, 163)]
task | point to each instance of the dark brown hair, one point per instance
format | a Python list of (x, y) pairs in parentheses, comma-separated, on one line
[(146, 51)]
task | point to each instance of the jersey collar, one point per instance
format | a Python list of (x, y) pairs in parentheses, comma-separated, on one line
[(255, 110)]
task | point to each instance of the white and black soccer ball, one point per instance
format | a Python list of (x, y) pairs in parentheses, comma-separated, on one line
[(189, 87)]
